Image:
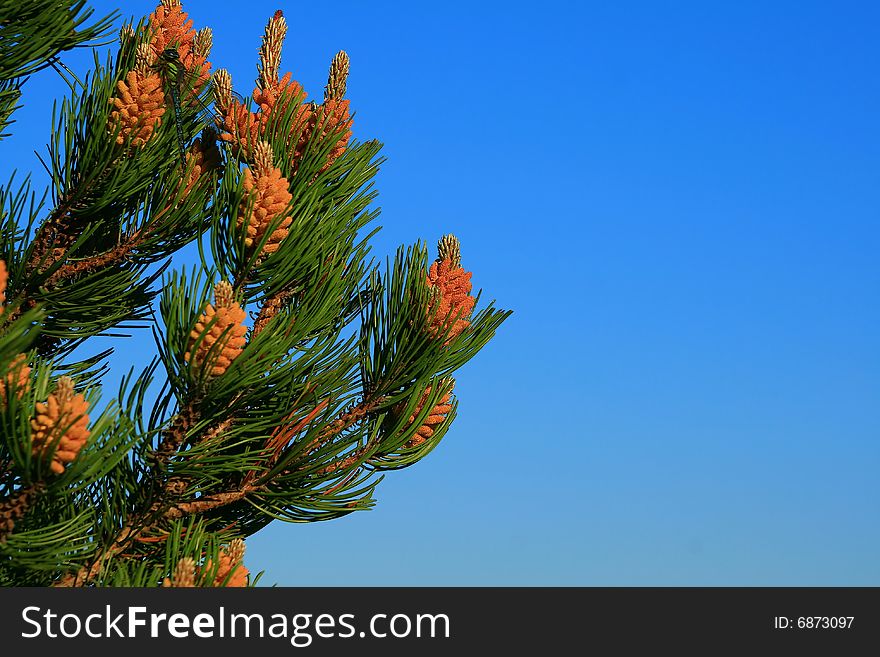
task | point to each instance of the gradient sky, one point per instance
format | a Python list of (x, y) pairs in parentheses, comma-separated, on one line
[(680, 204)]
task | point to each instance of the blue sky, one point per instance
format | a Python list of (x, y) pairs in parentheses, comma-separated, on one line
[(680, 204)]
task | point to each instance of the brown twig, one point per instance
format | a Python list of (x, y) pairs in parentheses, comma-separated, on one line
[(172, 440), (174, 436), (208, 502), (107, 259)]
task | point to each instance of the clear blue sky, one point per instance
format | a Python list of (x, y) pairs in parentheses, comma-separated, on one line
[(680, 202)]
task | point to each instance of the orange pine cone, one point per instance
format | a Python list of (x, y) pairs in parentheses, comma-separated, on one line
[(275, 101), (437, 415), (199, 69), (139, 108), (18, 375), (228, 328), (266, 197), (231, 571), (201, 158), (452, 301), (338, 121), (241, 127), (170, 26), (61, 424), (245, 129), (301, 130), (276, 97)]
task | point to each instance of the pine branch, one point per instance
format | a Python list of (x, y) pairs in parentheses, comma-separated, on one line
[(341, 376)]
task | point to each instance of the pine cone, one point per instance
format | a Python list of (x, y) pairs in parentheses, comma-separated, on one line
[(61, 424), (266, 197), (275, 101), (202, 158), (184, 575), (241, 127), (437, 415), (278, 96), (139, 108), (231, 571), (228, 327), (245, 129), (15, 507), (18, 375), (338, 121), (170, 26), (452, 302)]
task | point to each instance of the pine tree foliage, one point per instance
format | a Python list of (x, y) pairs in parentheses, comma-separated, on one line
[(291, 368), (32, 34)]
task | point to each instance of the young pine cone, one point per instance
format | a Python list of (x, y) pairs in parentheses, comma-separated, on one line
[(139, 108), (171, 27), (266, 197), (61, 424), (337, 122), (230, 571), (436, 417), (451, 303), (18, 375), (202, 158), (184, 575), (223, 324)]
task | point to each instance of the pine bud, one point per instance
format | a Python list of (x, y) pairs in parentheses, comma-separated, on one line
[(126, 33), (184, 575), (263, 157), (224, 295), (60, 427), (203, 42), (224, 324), (449, 249), (267, 196), (144, 58), (230, 571), (336, 81), (238, 124), (270, 50), (221, 88)]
